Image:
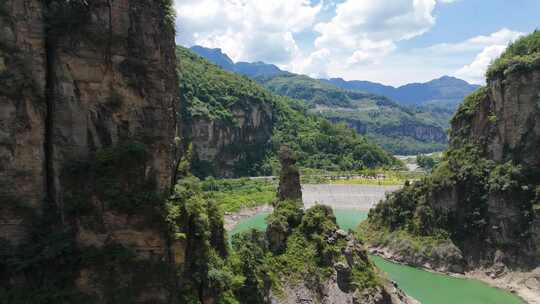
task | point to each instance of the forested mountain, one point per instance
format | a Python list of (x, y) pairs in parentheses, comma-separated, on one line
[(480, 208), (97, 200), (445, 91), (436, 100), (398, 129), (236, 126), (252, 69)]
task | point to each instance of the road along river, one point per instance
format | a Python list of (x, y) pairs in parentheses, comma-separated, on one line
[(351, 203)]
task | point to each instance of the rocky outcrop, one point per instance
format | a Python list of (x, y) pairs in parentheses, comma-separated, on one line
[(416, 130), (230, 149), (332, 294), (484, 198), (81, 80), (23, 113), (340, 286), (506, 124), (443, 257), (289, 179)]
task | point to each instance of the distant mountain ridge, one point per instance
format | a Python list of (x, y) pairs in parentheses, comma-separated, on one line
[(250, 69), (447, 90), (397, 128)]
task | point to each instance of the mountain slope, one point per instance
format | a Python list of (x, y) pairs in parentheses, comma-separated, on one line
[(484, 197), (86, 151), (446, 90), (254, 69), (236, 126), (398, 129)]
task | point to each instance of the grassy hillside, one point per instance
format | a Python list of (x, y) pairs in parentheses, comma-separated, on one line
[(398, 129), (210, 92)]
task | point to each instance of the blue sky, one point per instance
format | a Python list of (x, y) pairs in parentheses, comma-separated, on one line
[(388, 41)]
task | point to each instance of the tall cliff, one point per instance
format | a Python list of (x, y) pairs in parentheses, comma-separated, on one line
[(88, 93), (236, 127), (229, 119), (482, 203)]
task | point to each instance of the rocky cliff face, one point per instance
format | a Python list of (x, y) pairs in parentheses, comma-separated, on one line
[(88, 93), (506, 125), (507, 122), (22, 111), (485, 195), (230, 149), (418, 131)]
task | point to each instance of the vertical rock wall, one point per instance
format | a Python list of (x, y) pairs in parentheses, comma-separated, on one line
[(77, 78), (230, 149), (22, 113)]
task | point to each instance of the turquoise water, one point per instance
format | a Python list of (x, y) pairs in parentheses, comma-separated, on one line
[(255, 222), (427, 287), (432, 288)]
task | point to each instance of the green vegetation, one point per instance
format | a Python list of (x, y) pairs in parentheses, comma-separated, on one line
[(198, 223), (521, 55), (461, 121), (428, 162), (383, 121), (49, 260), (315, 92), (474, 178), (169, 18), (231, 195), (234, 194), (307, 255), (252, 266), (211, 93), (406, 145), (383, 237), (323, 145), (119, 180), (362, 177), (468, 176)]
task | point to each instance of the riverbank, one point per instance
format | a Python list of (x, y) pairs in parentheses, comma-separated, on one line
[(525, 285), (339, 197), (232, 219), (430, 289)]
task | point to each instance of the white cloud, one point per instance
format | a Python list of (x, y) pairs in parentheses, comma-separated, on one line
[(475, 71), (246, 29), (359, 41), (488, 48), (364, 32), (501, 37)]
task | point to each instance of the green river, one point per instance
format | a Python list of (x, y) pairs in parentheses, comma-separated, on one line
[(427, 287)]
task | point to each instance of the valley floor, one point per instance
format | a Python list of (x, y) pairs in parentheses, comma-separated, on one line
[(337, 196), (364, 197)]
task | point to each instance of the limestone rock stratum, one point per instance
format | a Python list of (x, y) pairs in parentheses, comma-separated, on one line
[(80, 79), (289, 180)]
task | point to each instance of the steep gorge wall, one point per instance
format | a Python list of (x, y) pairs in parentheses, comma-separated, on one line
[(484, 197), (418, 131), (85, 85), (23, 110), (506, 124), (230, 149)]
